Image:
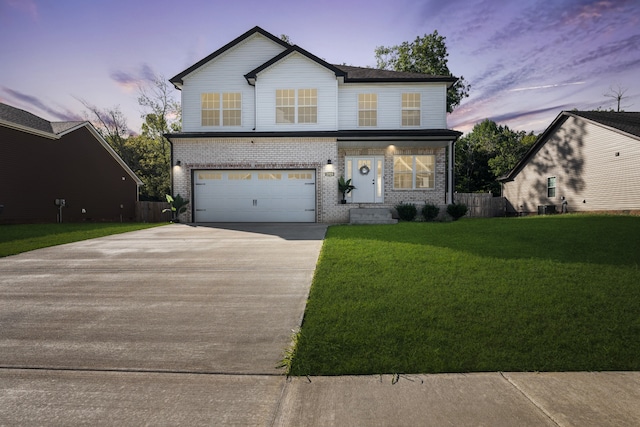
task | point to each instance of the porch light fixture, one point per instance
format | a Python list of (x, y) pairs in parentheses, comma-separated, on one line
[(329, 161), (178, 163)]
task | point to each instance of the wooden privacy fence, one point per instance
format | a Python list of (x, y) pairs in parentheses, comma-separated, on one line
[(152, 212), (482, 204)]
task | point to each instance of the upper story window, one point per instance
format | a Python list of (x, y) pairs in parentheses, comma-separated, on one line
[(410, 109), (221, 109), (231, 109), (302, 108), (367, 109), (210, 109), (414, 172)]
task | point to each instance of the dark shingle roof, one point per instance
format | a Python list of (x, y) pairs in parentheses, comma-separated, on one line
[(625, 122), (362, 74), (27, 120), (24, 118)]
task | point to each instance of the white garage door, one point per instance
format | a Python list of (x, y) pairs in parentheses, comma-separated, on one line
[(255, 195)]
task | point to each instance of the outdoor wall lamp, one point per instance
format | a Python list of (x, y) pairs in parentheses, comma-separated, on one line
[(329, 161), (178, 163)]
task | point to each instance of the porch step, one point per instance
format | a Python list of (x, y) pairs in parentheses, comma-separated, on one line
[(371, 216)]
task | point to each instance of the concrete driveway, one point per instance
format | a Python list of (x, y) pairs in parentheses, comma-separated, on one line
[(177, 298), (122, 316)]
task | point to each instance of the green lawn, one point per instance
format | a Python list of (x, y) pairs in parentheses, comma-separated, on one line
[(15, 239), (554, 293)]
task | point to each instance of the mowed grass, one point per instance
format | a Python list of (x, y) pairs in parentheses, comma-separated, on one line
[(18, 238), (556, 293)]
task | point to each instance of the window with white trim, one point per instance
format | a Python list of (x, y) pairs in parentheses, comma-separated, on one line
[(210, 104), (221, 109), (414, 172), (410, 109), (307, 106), (367, 109), (302, 108), (551, 186)]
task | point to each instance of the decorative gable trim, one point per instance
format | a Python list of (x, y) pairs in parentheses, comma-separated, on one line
[(251, 76), (177, 80)]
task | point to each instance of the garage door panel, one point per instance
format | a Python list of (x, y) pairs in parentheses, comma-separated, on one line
[(255, 196)]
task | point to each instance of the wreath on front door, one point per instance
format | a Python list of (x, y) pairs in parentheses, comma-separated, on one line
[(364, 170)]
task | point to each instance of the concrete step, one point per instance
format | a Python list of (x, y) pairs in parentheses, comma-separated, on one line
[(371, 216)]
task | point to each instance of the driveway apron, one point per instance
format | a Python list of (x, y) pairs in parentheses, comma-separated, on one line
[(178, 298)]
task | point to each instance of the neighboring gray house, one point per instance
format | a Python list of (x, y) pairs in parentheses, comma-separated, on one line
[(586, 160), (268, 129)]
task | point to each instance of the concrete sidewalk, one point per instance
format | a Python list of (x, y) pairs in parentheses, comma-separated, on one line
[(184, 325), (46, 397)]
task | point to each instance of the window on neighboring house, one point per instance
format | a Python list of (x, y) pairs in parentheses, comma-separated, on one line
[(410, 109), (551, 186), (414, 172), (367, 109), (210, 109), (221, 109), (306, 106)]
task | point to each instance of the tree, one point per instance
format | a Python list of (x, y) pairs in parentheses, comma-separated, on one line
[(488, 152), (150, 164), (162, 115), (427, 55), (111, 124)]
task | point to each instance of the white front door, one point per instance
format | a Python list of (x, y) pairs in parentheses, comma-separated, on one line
[(366, 175)]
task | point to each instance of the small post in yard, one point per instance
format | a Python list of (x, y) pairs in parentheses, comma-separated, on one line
[(60, 203)]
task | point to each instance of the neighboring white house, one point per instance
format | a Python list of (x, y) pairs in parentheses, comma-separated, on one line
[(268, 128), (584, 161)]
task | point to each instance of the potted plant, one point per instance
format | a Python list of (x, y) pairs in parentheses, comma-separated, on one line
[(344, 187), (178, 206)]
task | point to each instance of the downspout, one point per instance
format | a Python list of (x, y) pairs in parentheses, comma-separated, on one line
[(449, 198)]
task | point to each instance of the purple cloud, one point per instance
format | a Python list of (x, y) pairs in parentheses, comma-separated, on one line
[(23, 98), (132, 80)]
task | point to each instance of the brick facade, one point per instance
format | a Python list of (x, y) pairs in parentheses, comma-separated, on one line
[(300, 153)]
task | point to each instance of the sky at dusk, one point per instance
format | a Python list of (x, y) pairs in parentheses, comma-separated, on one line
[(526, 60)]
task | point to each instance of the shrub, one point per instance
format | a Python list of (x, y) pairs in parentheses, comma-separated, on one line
[(407, 211), (430, 212), (457, 210)]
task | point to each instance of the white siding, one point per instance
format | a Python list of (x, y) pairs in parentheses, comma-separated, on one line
[(296, 72), (226, 74), (433, 97), (582, 157)]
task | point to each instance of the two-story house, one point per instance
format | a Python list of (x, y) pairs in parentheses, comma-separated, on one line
[(268, 129)]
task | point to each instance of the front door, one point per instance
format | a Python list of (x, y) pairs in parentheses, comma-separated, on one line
[(366, 175)]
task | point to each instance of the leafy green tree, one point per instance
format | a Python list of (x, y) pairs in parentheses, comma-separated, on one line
[(486, 153), (427, 55), (162, 115), (150, 163)]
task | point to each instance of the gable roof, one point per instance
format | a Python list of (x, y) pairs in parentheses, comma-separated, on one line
[(24, 121), (253, 74), (624, 123), (177, 79), (349, 74)]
